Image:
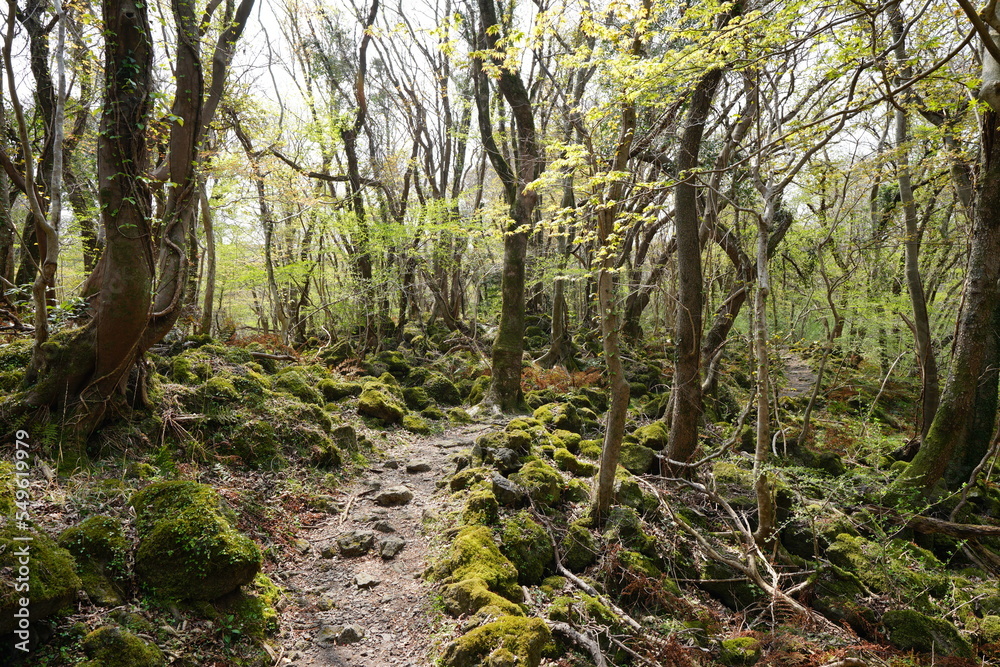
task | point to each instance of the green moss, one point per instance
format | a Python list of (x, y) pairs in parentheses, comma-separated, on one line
[(553, 584), (524, 638), (8, 488), (51, 576), (252, 384), (378, 404), (566, 439), (442, 390), (630, 494), (16, 355), (653, 436), (11, 381), (99, 547), (566, 461), (591, 449), (161, 500), (333, 390), (739, 651), (470, 595), (182, 370), (581, 608), (481, 507), (636, 458), (254, 441), (894, 567), (578, 547), (638, 564), (295, 383), (526, 543), (474, 554), (435, 413), (416, 398), (478, 390), (415, 424), (459, 416), (624, 526), (542, 482), (463, 479), (559, 416), (910, 630), (110, 646), (989, 629), (728, 473), (577, 491), (250, 613)]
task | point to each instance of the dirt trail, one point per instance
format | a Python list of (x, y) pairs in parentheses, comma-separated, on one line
[(799, 376), (331, 602)]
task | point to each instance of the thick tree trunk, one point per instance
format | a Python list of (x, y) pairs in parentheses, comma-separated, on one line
[(687, 337)]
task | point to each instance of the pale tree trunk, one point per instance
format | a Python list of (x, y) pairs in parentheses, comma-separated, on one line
[(763, 484), (208, 225)]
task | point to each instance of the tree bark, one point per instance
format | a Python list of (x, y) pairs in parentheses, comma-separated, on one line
[(208, 225)]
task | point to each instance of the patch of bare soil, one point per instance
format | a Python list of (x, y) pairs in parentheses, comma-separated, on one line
[(373, 610), (799, 376)]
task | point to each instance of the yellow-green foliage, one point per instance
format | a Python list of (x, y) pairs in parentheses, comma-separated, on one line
[(523, 638), (110, 646), (566, 439), (894, 567), (100, 549), (415, 424), (474, 555), (52, 580)]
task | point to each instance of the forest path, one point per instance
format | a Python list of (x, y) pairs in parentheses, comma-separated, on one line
[(799, 376), (369, 610)]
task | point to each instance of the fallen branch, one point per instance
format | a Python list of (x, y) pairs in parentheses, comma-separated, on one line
[(588, 644)]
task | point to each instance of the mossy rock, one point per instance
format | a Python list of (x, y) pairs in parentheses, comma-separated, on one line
[(526, 543), (295, 383), (459, 416), (730, 474), (219, 389), (333, 390), (542, 482), (729, 586), (378, 404), (523, 638), (474, 554), (468, 596), (579, 548), (50, 576), (416, 398), (566, 439), (988, 629), (463, 479), (628, 493), (623, 525), (836, 595), (442, 390), (394, 362), (251, 384), (538, 398), (910, 630), (254, 441), (111, 646), (591, 449), (582, 609), (895, 567), (345, 436), (99, 547), (478, 390), (337, 353), (655, 406), (161, 500), (481, 507), (636, 458), (415, 424), (251, 612), (740, 651), (182, 370), (559, 416), (578, 491), (566, 461), (16, 355), (654, 435)]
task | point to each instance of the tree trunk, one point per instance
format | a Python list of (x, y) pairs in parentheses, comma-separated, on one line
[(687, 337), (763, 485), (208, 305)]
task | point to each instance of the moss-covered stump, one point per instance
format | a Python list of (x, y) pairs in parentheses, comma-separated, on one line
[(739, 651), (525, 542), (39, 571), (380, 404), (471, 595), (110, 646), (578, 548), (910, 630), (522, 638), (542, 482), (188, 548), (99, 548), (474, 555)]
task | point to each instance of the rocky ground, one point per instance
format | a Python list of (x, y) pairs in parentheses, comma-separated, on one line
[(356, 596)]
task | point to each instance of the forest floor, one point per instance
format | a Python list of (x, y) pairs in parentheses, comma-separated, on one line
[(800, 379), (369, 610)]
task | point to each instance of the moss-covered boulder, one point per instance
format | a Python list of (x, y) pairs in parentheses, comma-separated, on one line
[(99, 547), (542, 482), (526, 543), (381, 405), (474, 554), (581, 608), (896, 567), (910, 630), (566, 439), (442, 390), (566, 461), (48, 580), (836, 595), (416, 398), (559, 416), (415, 424), (636, 458), (579, 548), (654, 435), (188, 547), (481, 507), (624, 526), (295, 383), (590, 449), (110, 646), (334, 390), (522, 638), (468, 596), (739, 651), (394, 362), (463, 479)]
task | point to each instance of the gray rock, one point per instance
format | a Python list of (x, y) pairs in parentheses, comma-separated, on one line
[(326, 603), (506, 460), (366, 581), (340, 634), (355, 543), (389, 547), (507, 492), (351, 634), (383, 526), (391, 464), (394, 496), (417, 466)]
